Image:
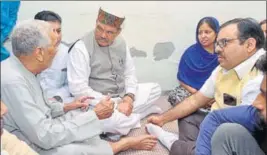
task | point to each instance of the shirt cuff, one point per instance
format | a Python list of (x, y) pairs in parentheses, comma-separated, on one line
[(57, 108), (131, 90)]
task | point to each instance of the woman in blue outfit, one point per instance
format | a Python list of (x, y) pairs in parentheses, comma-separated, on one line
[(197, 62), (9, 12)]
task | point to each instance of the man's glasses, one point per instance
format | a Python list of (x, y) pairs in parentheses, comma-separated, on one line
[(223, 42)]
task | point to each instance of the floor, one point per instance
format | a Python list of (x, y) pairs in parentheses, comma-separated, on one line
[(158, 149)]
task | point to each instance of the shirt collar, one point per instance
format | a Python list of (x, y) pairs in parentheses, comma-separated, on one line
[(245, 67)]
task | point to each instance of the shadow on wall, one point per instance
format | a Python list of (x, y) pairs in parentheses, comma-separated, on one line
[(160, 51), (163, 50), (137, 53)]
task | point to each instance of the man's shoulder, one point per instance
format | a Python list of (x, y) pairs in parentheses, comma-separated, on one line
[(10, 71)]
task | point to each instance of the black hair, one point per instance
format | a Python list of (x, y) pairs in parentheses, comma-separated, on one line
[(48, 16), (211, 21), (263, 22), (247, 28), (261, 63)]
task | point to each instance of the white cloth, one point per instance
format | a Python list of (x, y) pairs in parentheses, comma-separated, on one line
[(165, 137), (30, 119), (208, 89), (121, 124), (53, 80), (78, 75), (3, 152), (251, 90), (79, 71)]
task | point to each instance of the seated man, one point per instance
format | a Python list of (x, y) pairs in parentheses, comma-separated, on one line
[(10, 144), (239, 45), (53, 80), (30, 118), (54, 83), (252, 117), (100, 65)]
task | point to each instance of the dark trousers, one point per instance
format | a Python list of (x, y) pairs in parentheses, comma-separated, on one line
[(188, 132), (234, 139)]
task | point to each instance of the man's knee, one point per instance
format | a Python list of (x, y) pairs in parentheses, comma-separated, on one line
[(183, 148), (193, 119), (226, 131)]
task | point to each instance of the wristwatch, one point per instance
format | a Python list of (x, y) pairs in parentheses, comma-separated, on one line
[(58, 98), (131, 95)]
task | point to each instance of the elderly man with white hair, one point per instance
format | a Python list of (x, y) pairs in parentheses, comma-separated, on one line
[(100, 64), (30, 116)]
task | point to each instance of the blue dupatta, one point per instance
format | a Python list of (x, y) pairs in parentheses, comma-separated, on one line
[(197, 64)]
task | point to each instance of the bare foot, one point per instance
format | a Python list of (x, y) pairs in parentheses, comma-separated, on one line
[(143, 142)]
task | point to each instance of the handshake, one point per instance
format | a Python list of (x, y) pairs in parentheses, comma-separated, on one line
[(104, 108)]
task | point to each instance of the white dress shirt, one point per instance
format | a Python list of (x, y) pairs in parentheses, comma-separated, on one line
[(53, 80), (208, 89)]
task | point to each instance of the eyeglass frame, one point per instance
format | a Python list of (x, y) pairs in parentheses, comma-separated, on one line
[(222, 43)]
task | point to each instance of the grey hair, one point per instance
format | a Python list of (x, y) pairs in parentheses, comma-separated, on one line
[(29, 35)]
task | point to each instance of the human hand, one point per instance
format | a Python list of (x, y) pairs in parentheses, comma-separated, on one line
[(155, 119), (126, 106), (104, 108), (208, 106), (77, 103)]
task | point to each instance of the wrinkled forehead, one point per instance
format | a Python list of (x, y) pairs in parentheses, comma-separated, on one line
[(55, 24), (230, 32), (106, 27)]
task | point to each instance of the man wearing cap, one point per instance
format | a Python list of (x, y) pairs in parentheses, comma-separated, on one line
[(31, 119), (100, 65)]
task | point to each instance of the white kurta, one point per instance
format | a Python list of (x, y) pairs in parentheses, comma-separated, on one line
[(78, 72), (30, 119), (53, 80)]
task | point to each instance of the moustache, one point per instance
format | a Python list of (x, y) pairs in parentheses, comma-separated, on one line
[(102, 39), (217, 52)]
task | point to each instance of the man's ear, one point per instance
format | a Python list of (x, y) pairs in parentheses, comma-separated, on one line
[(251, 44), (118, 32), (39, 54)]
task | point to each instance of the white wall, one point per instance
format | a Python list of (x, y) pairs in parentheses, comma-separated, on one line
[(146, 24)]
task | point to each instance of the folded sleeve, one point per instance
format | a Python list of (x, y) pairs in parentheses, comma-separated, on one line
[(33, 118)]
